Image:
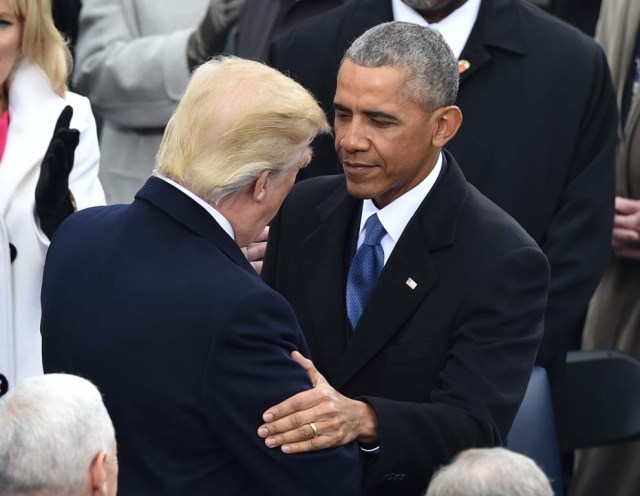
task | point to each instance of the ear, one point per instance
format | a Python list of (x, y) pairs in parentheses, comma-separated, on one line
[(259, 188), (98, 474), (447, 122)]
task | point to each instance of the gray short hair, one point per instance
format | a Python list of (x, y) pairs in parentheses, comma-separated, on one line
[(490, 472), (432, 68), (51, 428)]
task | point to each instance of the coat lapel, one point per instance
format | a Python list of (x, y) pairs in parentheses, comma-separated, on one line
[(324, 283), (187, 212), (499, 26), (393, 302), (22, 156), (33, 111)]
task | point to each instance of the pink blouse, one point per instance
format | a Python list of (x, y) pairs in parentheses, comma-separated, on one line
[(4, 130)]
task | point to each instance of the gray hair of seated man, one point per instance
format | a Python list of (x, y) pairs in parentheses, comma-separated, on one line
[(431, 66), (490, 472), (51, 428)]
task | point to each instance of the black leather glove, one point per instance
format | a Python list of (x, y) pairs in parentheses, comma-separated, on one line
[(53, 198), (211, 35)]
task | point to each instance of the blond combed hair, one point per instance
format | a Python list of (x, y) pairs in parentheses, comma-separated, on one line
[(237, 118), (42, 43)]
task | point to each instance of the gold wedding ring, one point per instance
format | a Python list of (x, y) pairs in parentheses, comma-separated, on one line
[(315, 429)]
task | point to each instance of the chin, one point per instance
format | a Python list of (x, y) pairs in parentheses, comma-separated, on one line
[(359, 191)]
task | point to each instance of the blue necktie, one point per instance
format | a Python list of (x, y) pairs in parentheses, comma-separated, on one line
[(365, 269)]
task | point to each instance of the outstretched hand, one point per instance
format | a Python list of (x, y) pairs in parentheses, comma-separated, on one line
[(53, 199), (317, 419)]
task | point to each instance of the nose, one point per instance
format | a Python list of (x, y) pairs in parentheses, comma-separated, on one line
[(351, 137)]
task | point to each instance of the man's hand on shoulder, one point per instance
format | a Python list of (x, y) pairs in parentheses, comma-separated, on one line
[(317, 419)]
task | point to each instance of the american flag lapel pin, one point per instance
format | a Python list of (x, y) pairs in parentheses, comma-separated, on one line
[(411, 283)]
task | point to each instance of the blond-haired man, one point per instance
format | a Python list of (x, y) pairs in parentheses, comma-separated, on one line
[(188, 345)]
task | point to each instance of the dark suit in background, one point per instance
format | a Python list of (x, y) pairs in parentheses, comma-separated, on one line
[(155, 304), (583, 14), (444, 365), (261, 21), (537, 139), (66, 14)]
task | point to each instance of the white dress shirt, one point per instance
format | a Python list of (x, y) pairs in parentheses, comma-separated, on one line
[(219, 218), (455, 28), (395, 216)]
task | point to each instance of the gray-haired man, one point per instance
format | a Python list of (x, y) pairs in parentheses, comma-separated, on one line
[(428, 330), (490, 472), (56, 439)]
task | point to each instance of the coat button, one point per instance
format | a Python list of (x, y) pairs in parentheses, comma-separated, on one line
[(4, 385), (13, 252)]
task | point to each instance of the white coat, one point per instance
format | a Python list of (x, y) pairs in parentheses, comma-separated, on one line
[(33, 111)]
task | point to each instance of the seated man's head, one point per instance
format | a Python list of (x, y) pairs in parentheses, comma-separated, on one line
[(394, 109), (490, 472), (239, 135), (56, 439)]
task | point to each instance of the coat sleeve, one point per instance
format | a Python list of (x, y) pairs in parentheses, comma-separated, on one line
[(131, 80), (483, 381), (578, 240), (83, 180), (250, 369)]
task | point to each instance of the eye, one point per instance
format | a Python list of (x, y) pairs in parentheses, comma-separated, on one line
[(382, 123), (342, 116)]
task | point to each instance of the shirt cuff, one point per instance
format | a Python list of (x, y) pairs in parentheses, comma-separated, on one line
[(370, 449)]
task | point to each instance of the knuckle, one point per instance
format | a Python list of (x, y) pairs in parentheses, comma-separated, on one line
[(296, 404), (303, 432), (296, 420), (315, 444), (274, 429)]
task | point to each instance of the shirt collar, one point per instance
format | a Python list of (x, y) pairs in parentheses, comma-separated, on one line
[(455, 28), (219, 218), (395, 216)]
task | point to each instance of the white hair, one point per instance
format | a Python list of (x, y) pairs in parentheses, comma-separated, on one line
[(51, 428), (490, 472)]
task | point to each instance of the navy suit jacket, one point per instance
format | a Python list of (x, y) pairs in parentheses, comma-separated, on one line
[(444, 364), (155, 304)]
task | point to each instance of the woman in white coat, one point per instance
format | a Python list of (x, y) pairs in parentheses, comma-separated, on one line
[(34, 66)]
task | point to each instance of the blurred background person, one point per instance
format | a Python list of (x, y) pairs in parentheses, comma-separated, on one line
[(490, 472), (56, 439), (133, 60), (262, 21), (613, 320), (42, 179), (582, 14), (66, 14)]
